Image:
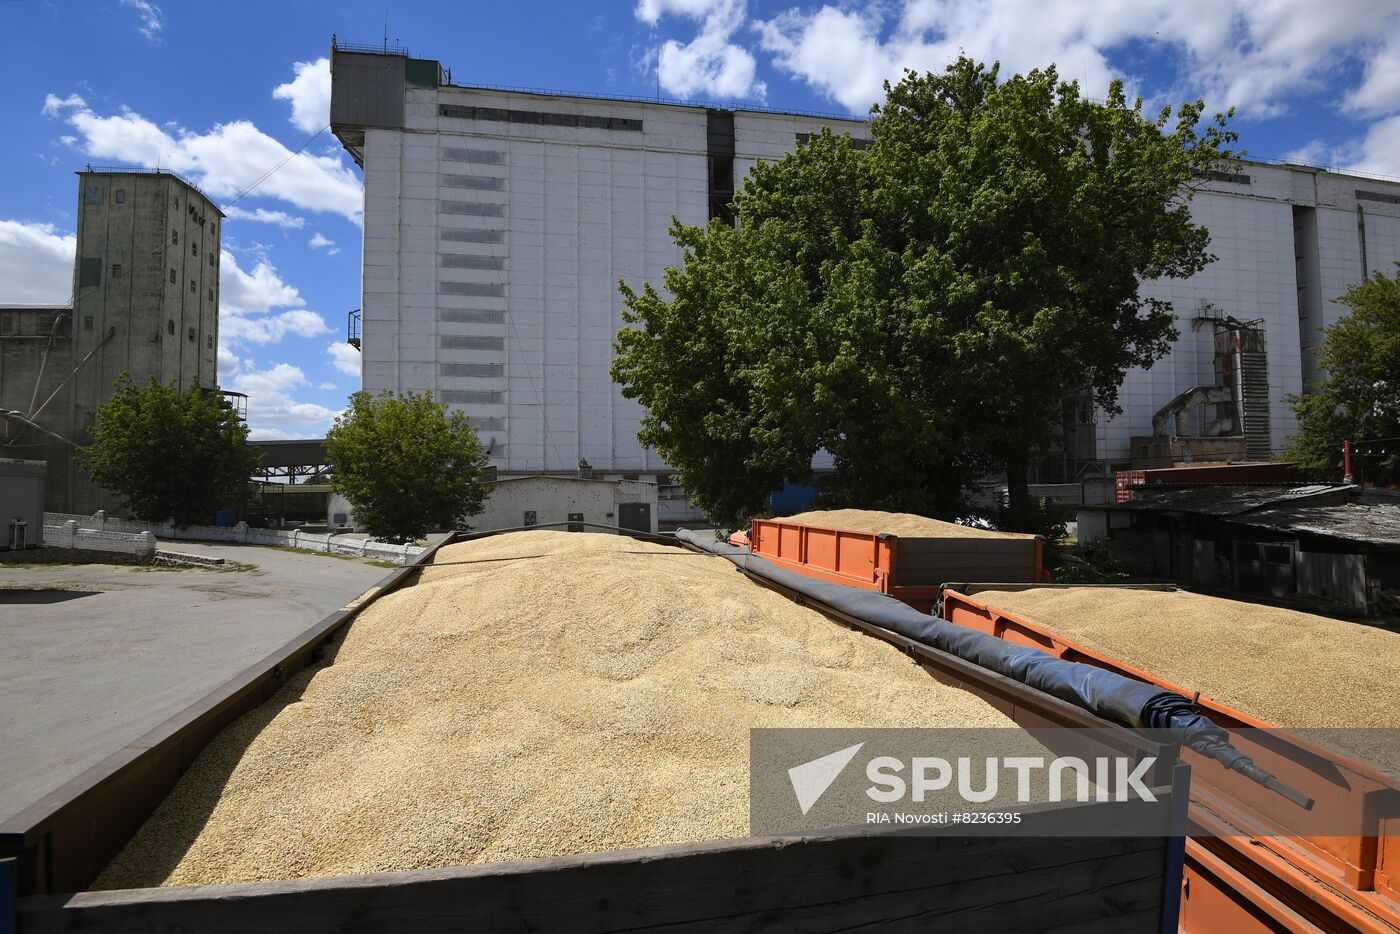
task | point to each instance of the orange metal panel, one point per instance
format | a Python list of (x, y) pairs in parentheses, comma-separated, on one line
[(859, 559), (1388, 859), (1346, 873), (840, 556), (1218, 899)]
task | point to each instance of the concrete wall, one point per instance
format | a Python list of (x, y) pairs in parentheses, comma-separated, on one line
[(70, 536), (553, 499), (145, 303), (162, 230), (160, 308), (22, 499), (36, 357)]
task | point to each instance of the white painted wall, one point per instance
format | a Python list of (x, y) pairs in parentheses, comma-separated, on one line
[(552, 499), (765, 136), (556, 216)]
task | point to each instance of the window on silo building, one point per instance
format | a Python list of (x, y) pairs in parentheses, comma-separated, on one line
[(90, 271), (92, 194), (121, 196)]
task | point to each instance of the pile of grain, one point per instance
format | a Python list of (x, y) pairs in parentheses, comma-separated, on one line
[(895, 523), (1283, 667), (536, 694)]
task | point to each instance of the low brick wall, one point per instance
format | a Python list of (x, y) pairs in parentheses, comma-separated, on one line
[(241, 534)]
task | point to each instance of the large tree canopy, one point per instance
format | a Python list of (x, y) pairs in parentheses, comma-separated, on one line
[(406, 464), (921, 308), (1358, 399), (170, 455)]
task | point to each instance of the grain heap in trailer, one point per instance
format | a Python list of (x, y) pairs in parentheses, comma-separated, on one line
[(549, 731)]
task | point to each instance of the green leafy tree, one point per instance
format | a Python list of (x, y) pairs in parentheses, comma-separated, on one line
[(921, 308), (1359, 397), (406, 464), (169, 454)]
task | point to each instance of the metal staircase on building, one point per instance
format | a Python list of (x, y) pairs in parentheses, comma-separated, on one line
[(1254, 383)]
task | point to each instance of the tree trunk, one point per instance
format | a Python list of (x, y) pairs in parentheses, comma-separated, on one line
[(1017, 491)]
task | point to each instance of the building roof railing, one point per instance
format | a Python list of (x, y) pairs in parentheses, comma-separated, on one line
[(1313, 166), (134, 170), (665, 101), (371, 48)]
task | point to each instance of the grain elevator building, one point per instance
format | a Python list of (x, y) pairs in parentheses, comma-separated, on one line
[(497, 224)]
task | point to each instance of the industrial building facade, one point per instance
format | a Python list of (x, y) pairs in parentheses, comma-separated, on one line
[(498, 223), (145, 303)]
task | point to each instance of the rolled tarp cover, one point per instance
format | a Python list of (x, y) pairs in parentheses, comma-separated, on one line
[(1107, 694)]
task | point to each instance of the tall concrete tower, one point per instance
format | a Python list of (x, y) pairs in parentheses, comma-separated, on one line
[(145, 303)]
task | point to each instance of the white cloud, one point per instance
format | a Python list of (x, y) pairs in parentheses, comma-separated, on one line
[(264, 216), (224, 161), (327, 386), (1378, 153), (256, 291), (152, 20), (246, 303), (309, 93), (1232, 52), (838, 53), (36, 263), (710, 64), (271, 328), (344, 358), (1380, 87), (228, 361), (55, 105), (273, 412), (320, 242)]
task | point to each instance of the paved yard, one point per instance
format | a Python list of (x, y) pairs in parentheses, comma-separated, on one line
[(87, 668)]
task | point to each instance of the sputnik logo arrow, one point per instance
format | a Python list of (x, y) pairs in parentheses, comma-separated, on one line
[(810, 780)]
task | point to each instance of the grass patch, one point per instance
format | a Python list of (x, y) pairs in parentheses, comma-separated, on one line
[(226, 568)]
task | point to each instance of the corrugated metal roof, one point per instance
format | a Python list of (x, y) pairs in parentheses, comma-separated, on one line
[(1225, 500), (1356, 522)]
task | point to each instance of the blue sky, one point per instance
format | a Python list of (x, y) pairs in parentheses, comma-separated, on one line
[(222, 93)]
